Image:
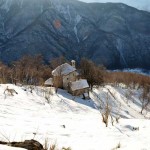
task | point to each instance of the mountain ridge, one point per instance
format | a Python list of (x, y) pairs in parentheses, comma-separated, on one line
[(115, 35)]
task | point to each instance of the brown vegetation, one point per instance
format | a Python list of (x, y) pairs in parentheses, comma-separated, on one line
[(93, 73), (129, 79), (32, 70), (27, 144), (27, 70), (55, 62)]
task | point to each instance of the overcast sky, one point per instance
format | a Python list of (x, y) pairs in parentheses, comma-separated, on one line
[(140, 4)]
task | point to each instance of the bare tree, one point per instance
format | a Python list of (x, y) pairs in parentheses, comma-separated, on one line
[(106, 114), (55, 62), (145, 97), (3, 73), (30, 70), (92, 72)]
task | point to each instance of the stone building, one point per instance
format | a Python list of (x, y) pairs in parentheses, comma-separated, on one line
[(65, 76)]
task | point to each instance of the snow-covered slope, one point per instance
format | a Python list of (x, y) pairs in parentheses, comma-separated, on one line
[(5, 147), (68, 121), (123, 101)]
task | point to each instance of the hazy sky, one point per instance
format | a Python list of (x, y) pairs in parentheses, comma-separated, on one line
[(141, 4)]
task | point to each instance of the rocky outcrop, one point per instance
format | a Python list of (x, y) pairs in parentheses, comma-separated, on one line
[(27, 144), (115, 35)]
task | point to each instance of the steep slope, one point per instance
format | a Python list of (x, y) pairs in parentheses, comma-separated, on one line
[(115, 35), (122, 101)]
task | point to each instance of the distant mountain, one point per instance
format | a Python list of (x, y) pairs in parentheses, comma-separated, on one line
[(115, 35)]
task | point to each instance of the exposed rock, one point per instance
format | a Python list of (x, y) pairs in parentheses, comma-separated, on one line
[(27, 144), (115, 35)]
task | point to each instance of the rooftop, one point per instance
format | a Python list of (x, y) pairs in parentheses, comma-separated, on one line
[(63, 69), (80, 84), (49, 81)]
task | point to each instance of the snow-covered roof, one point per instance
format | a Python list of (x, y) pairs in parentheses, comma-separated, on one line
[(78, 85), (63, 69), (49, 81)]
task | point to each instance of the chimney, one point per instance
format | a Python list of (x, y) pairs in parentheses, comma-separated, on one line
[(73, 63)]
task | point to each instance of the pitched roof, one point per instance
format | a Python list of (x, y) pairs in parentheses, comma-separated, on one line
[(63, 69), (78, 85), (49, 81)]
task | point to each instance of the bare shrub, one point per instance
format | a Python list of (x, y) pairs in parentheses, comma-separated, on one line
[(30, 70), (47, 93), (145, 97), (4, 73), (53, 147), (117, 147), (117, 119), (128, 95), (66, 148), (132, 80), (46, 144), (106, 114)]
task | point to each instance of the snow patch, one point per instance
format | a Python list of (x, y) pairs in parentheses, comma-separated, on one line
[(68, 11), (77, 20), (119, 48), (63, 69), (7, 5), (85, 37)]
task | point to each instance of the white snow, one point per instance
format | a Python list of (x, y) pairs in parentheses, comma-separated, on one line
[(63, 69), (77, 20), (20, 3), (68, 11), (49, 81), (119, 48), (5, 147), (124, 102), (85, 37), (80, 84), (27, 113)]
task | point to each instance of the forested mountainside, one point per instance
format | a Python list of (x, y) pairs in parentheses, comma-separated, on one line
[(112, 34)]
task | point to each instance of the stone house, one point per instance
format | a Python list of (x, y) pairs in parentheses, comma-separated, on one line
[(64, 74), (66, 77), (79, 87)]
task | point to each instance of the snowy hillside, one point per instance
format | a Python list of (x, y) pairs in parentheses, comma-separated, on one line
[(123, 101), (69, 121)]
